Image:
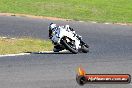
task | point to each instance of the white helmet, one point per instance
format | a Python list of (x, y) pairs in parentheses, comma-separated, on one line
[(52, 26)]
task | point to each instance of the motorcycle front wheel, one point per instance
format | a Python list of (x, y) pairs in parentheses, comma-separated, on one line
[(85, 48), (69, 46)]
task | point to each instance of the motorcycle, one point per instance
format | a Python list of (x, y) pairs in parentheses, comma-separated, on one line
[(65, 39)]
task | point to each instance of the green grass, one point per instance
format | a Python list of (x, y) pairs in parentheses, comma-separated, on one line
[(87, 10), (13, 46)]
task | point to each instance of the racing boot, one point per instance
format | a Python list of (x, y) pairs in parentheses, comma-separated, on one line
[(57, 48)]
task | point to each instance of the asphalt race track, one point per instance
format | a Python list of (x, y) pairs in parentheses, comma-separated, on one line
[(110, 52)]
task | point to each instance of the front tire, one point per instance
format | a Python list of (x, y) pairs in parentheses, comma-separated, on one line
[(85, 48), (68, 47)]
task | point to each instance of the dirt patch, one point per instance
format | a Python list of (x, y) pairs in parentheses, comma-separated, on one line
[(123, 23), (32, 16)]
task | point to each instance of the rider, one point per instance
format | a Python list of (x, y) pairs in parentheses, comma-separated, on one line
[(52, 26)]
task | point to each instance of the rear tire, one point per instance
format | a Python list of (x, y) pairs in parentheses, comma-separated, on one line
[(68, 47)]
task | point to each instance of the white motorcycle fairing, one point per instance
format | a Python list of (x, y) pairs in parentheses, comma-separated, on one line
[(60, 32)]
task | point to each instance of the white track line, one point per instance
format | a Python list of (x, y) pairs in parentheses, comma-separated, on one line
[(81, 21), (3, 37), (45, 52), (20, 54), (94, 22), (63, 51), (107, 23)]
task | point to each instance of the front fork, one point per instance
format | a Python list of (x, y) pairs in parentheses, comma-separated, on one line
[(77, 43), (82, 43)]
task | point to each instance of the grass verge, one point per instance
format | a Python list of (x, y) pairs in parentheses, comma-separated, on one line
[(87, 10), (14, 46)]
